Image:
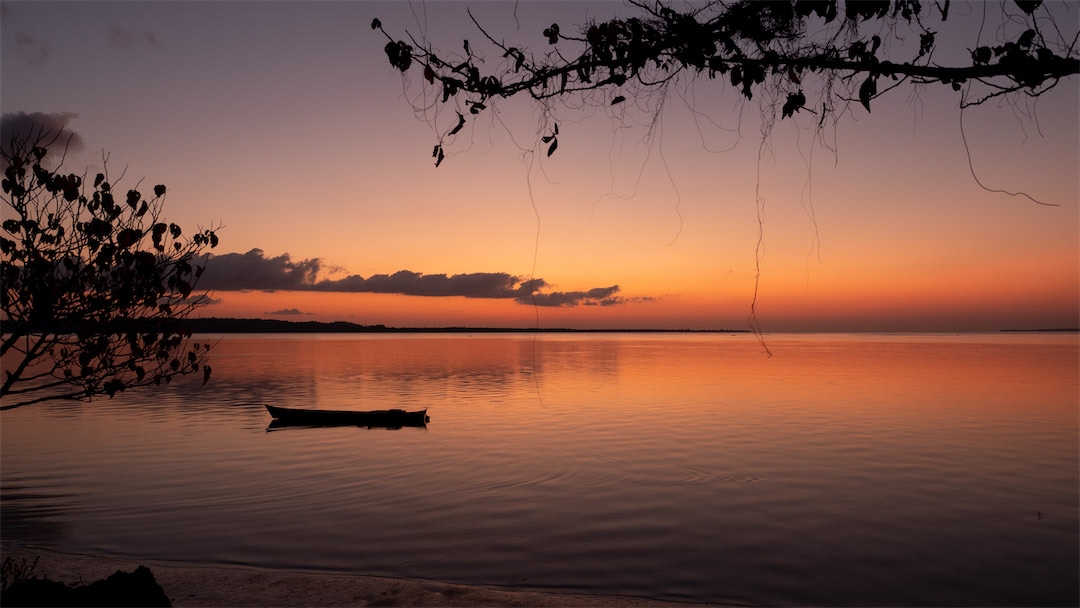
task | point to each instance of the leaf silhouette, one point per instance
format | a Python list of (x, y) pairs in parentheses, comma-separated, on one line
[(1028, 6), (460, 124), (554, 144), (1026, 38), (794, 103), (867, 91), (552, 33), (127, 238)]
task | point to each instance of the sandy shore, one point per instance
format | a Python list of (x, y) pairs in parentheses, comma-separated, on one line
[(188, 585)]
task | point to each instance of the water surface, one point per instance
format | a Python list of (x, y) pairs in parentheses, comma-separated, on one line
[(844, 470)]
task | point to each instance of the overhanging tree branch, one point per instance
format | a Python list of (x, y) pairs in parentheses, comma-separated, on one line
[(771, 44)]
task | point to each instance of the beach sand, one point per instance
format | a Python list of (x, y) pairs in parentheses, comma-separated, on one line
[(192, 585)]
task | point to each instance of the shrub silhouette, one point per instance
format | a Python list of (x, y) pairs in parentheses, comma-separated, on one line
[(94, 283)]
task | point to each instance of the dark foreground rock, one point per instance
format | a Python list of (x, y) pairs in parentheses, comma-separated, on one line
[(137, 588)]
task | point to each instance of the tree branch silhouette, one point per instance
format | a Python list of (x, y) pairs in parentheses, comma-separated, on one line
[(93, 284), (758, 44), (816, 56)]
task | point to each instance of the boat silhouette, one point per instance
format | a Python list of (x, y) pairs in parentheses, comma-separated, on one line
[(390, 419)]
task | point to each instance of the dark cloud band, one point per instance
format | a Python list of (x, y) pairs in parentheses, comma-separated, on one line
[(254, 271)]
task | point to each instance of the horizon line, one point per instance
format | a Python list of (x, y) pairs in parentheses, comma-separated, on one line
[(296, 326)]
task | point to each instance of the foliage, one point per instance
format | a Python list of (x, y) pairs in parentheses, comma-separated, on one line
[(854, 51), (92, 283)]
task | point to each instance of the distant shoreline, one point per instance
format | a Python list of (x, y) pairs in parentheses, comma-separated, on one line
[(1062, 329), (214, 325), (228, 325)]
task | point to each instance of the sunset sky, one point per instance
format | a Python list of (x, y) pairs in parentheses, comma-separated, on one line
[(284, 123)]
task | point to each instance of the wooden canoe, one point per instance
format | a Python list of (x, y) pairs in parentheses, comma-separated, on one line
[(375, 418)]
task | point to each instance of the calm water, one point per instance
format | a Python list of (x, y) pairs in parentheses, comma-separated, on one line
[(844, 470)]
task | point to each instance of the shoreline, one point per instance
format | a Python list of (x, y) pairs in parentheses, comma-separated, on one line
[(206, 585)]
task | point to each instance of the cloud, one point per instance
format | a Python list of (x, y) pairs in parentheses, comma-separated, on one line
[(200, 300), (600, 296), (254, 271), (405, 282), (125, 38), (33, 50), (24, 126), (603, 296), (289, 311)]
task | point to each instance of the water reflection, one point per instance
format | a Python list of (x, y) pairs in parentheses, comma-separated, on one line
[(32, 508), (279, 425), (843, 470)]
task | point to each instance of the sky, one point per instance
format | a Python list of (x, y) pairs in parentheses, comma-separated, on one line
[(283, 126)]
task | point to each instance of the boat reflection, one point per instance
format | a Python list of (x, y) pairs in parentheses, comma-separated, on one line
[(280, 425)]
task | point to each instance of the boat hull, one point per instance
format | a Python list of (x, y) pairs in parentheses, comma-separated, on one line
[(375, 418)]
